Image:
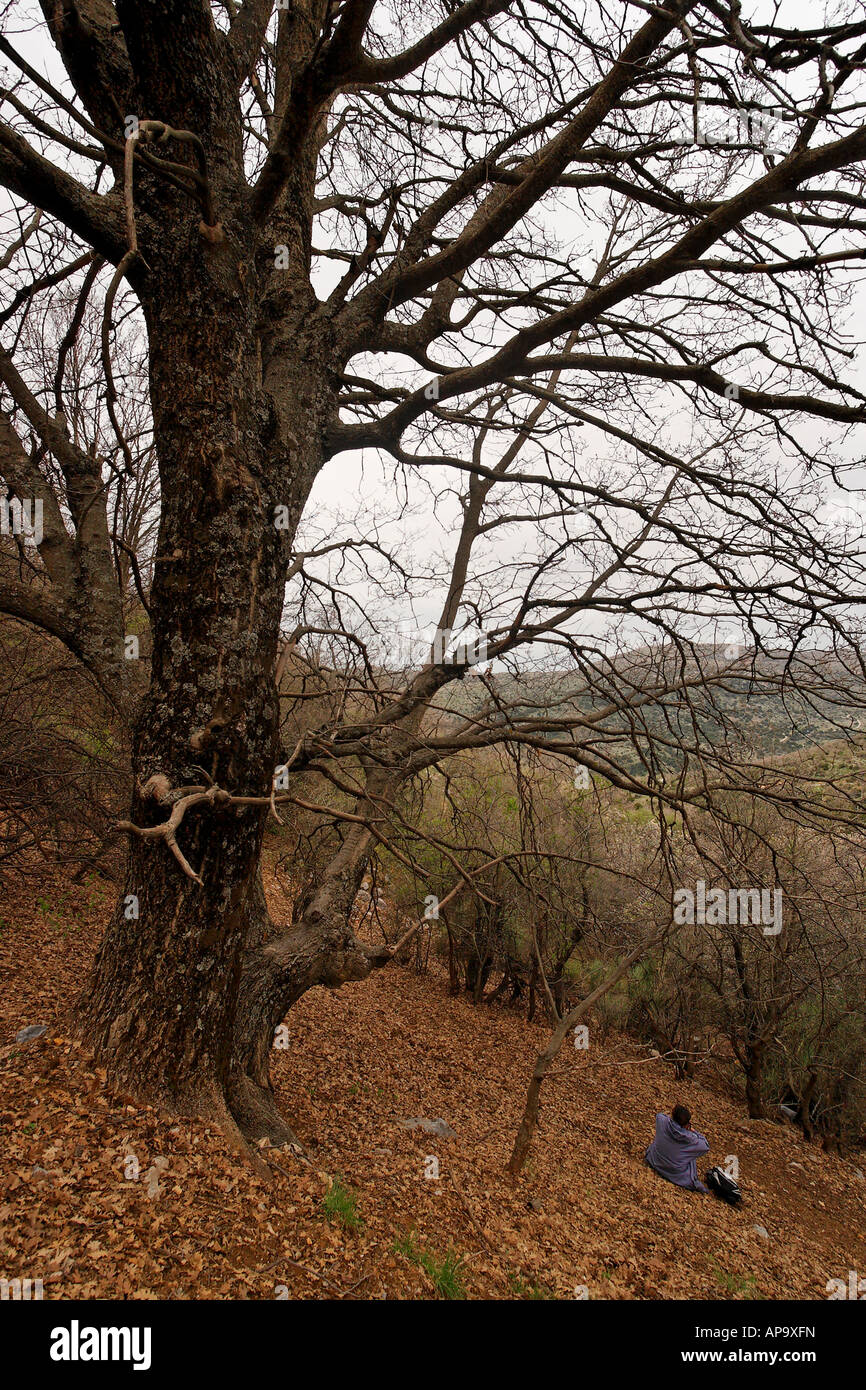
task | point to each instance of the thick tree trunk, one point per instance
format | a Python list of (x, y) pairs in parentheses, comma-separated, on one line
[(275, 976), (279, 967), (160, 1008), (191, 979)]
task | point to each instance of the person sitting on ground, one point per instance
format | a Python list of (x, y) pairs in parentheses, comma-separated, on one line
[(674, 1152)]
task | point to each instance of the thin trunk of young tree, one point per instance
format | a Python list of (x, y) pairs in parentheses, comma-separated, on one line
[(548, 1055)]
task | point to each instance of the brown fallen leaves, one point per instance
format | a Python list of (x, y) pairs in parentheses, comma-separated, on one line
[(103, 1199)]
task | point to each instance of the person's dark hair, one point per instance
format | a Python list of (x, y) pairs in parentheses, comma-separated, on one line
[(681, 1116)]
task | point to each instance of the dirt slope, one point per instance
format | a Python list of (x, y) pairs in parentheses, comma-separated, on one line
[(197, 1222)]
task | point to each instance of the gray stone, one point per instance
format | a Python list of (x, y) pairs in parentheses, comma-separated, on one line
[(439, 1127), (33, 1030)]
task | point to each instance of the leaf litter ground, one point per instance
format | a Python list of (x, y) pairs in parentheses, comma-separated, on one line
[(586, 1218)]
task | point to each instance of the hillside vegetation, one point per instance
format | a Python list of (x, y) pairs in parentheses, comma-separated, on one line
[(586, 1218)]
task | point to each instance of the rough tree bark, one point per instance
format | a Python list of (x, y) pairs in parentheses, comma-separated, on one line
[(160, 1009), (246, 375)]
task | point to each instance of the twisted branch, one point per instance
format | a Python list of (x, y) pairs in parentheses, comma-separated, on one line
[(181, 800)]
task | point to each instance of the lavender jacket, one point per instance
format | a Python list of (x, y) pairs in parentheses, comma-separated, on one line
[(674, 1152)]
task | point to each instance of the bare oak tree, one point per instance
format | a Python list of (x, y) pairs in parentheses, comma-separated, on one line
[(465, 245)]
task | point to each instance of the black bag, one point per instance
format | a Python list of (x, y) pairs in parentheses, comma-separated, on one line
[(722, 1186)]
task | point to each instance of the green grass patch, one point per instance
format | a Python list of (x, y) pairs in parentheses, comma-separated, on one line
[(340, 1204), (529, 1289), (445, 1273), (735, 1284)]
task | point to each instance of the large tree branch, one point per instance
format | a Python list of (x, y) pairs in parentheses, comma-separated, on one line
[(53, 436), (85, 608), (25, 480), (247, 34), (458, 22), (779, 183), (343, 54), (504, 207), (86, 35), (180, 63), (707, 378), (35, 604), (96, 219)]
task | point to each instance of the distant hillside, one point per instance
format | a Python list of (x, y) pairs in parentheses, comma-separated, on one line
[(743, 709)]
